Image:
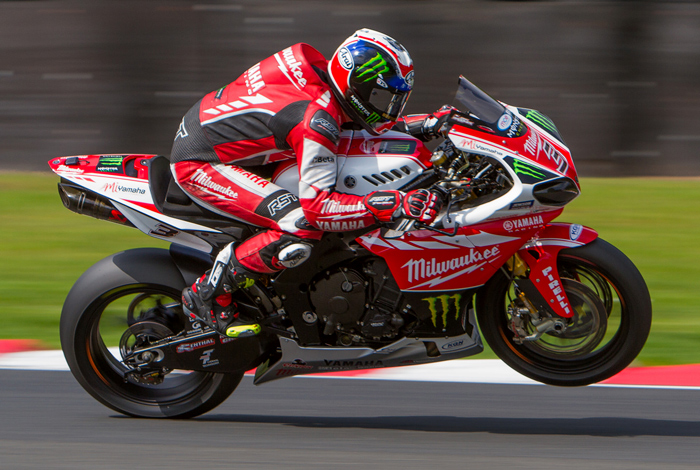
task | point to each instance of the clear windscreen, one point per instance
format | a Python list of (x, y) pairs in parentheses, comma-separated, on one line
[(471, 99)]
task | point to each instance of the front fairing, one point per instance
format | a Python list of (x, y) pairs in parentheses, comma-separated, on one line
[(536, 161), (525, 134)]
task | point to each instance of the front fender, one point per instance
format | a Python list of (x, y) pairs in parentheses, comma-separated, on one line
[(540, 254)]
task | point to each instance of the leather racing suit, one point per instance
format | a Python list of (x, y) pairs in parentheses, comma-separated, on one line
[(281, 105)]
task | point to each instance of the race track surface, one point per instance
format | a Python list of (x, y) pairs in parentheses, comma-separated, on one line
[(48, 421)]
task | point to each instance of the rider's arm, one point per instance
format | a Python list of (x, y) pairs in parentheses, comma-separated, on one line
[(424, 126), (315, 143)]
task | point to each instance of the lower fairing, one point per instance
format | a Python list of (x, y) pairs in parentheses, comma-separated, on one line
[(299, 360)]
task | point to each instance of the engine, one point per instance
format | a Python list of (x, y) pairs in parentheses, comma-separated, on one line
[(360, 303)]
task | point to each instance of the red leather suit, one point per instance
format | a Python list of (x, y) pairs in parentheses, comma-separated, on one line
[(280, 108)]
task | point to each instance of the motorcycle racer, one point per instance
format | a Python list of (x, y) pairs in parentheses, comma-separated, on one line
[(294, 100)]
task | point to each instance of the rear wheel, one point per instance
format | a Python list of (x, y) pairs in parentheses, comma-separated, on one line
[(108, 310), (608, 330)]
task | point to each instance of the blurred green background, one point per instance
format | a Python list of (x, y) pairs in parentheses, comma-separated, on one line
[(655, 221)]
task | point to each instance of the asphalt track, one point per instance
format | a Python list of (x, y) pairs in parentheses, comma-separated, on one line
[(48, 421)]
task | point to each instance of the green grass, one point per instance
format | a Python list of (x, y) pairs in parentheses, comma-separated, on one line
[(656, 222)]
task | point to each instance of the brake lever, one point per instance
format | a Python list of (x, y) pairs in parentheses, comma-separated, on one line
[(443, 232)]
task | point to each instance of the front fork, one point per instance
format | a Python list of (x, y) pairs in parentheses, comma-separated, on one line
[(541, 299)]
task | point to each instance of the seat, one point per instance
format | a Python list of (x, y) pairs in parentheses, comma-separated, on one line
[(168, 197)]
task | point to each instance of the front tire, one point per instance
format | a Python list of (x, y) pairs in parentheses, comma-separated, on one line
[(100, 306), (612, 322)]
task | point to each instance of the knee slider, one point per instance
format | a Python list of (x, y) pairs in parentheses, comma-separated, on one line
[(294, 254)]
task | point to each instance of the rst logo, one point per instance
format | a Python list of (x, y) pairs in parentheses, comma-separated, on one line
[(280, 202)]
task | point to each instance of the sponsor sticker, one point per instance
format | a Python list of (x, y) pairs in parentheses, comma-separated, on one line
[(452, 345), (189, 347), (575, 231), (442, 308), (504, 121), (523, 223), (345, 58), (110, 164), (521, 205)]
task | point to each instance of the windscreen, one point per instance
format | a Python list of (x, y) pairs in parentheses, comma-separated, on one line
[(491, 116), (472, 99)]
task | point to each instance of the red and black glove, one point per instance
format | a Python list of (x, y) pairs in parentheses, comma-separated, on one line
[(425, 126), (420, 204)]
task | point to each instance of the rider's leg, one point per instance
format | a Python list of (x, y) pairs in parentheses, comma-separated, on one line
[(210, 297), (235, 192)]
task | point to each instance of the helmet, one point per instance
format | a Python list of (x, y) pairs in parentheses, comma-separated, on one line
[(372, 77)]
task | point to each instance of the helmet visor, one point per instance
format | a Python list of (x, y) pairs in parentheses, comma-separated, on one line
[(388, 104)]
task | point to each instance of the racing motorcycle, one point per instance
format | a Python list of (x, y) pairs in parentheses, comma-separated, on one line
[(553, 300)]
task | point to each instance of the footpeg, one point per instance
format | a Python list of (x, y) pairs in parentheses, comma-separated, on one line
[(243, 331)]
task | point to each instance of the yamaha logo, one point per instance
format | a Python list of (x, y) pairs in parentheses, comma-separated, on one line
[(345, 58)]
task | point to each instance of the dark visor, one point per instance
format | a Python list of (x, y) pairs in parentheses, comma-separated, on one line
[(387, 104)]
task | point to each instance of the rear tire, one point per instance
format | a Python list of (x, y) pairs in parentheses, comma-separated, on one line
[(613, 319), (98, 310)]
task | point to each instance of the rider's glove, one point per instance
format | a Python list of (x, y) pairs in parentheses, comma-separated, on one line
[(421, 204), (434, 123), (425, 126)]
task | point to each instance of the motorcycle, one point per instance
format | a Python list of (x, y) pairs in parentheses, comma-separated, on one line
[(553, 300)]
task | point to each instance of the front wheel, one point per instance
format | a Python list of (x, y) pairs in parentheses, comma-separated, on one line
[(142, 288), (610, 326)]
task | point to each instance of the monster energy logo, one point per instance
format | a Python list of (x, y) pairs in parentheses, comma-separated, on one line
[(395, 147), (110, 161), (527, 170), (374, 117), (372, 68), (445, 307), (541, 119)]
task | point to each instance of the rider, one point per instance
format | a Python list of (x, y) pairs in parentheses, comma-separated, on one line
[(295, 100)]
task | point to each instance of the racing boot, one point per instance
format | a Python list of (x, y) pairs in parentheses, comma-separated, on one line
[(210, 298)]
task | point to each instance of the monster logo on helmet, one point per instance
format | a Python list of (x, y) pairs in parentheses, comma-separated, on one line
[(372, 76)]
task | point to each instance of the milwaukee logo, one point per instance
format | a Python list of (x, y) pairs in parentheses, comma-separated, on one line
[(334, 207), (294, 66), (203, 182), (428, 269)]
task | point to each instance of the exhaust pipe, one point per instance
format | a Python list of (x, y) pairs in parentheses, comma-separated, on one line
[(82, 201)]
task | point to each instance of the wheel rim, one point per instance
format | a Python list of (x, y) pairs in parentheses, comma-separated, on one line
[(105, 325), (598, 328)]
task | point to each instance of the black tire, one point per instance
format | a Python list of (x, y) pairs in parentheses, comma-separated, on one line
[(612, 325), (99, 306)]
